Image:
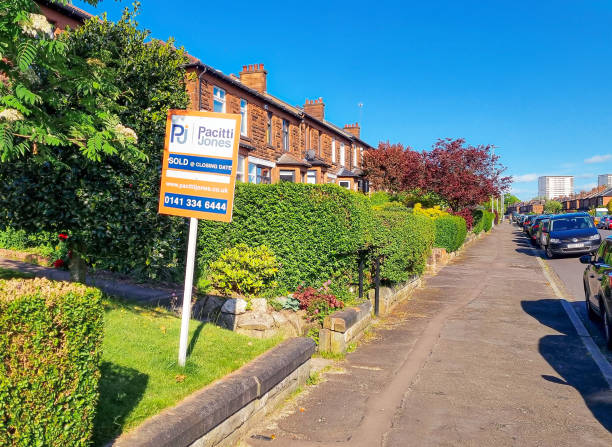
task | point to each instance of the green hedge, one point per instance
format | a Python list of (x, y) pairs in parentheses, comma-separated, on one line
[(50, 346), (488, 219), (314, 231), (450, 232), (404, 240), (483, 221)]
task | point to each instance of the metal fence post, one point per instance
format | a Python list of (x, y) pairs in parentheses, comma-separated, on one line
[(377, 284), (361, 274)]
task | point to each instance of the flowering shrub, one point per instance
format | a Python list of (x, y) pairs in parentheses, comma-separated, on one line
[(62, 252), (434, 212), (318, 303)]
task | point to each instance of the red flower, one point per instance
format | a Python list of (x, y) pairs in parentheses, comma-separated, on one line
[(62, 236), (58, 264)]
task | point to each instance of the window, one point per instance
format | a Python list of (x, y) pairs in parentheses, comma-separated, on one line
[(319, 147), (345, 184), (285, 135), (259, 174), (355, 156), (333, 150), (311, 177), (218, 100), (287, 176), (243, 114), (269, 129), (342, 155), (240, 169)]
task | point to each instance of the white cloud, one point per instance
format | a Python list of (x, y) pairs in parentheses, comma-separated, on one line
[(598, 158), (525, 178)]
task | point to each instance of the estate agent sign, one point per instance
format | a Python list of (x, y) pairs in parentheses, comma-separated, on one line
[(198, 179), (199, 167)]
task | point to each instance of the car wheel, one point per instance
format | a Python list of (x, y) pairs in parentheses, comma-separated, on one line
[(549, 253), (607, 329)]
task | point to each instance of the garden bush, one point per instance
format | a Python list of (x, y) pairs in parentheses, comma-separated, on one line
[(450, 232), (478, 224), (244, 271), (488, 218), (314, 231), (404, 240), (43, 243), (50, 347)]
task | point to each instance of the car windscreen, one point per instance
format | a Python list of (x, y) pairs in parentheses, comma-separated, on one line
[(571, 223)]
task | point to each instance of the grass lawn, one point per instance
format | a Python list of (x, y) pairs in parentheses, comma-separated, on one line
[(10, 274), (140, 374)]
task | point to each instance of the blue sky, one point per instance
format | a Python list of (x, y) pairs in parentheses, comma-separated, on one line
[(531, 77)]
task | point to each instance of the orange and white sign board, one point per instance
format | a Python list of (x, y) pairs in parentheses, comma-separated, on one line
[(199, 166)]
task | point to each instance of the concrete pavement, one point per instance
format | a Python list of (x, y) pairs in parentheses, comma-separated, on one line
[(483, 355)]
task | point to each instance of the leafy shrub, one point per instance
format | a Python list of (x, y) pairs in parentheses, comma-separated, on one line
[(404, 240), (50, 347), (292, 304), (433, 212), (244, 271), (450, 232), (43, 243), (478, 216), (487, 220), (466, 214), (315, 231), (318, 303), (379, 197)]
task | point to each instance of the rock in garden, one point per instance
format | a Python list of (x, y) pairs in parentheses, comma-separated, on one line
[(259, 305), (234, 306), (255, 321)]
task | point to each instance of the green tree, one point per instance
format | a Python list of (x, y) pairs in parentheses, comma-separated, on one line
[(552, 207), (52, 98), (609, 206), (108, 207)]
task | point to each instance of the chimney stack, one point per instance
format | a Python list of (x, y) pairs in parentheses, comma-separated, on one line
[(315, 108), (254, 76), (353, 128)]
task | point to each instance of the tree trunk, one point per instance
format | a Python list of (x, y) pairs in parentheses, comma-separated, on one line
[(78, 268)]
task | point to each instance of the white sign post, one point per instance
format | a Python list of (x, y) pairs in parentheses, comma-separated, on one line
[(198, 179)]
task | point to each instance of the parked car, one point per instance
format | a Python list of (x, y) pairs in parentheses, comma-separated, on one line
[(532, 231), (527, 223), (597, 280), (605, 223), (572, 233), (541, 233)]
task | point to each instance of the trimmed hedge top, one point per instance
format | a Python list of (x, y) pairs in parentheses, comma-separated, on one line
[(50, 347)]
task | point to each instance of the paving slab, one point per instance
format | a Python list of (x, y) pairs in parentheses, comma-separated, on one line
[(482, 355)]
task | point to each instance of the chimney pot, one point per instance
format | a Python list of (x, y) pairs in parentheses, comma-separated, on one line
[(250, 67), (261, 66), (244, 68)]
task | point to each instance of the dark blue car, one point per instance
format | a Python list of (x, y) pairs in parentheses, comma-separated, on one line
[(572, 233)]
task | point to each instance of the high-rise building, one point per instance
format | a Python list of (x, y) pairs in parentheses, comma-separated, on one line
[(552, 186), (604, 180)]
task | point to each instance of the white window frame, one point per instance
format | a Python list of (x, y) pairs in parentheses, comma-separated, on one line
[(344, 184), (355, 156), (285, 132), (240, 168), (270, 129), (219, 96), (311, 174), (342, 154), (244, 121), (333, 150), (286, 172)]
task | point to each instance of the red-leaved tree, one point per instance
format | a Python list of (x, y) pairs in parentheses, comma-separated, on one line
[(464, 175), (393, 168)]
